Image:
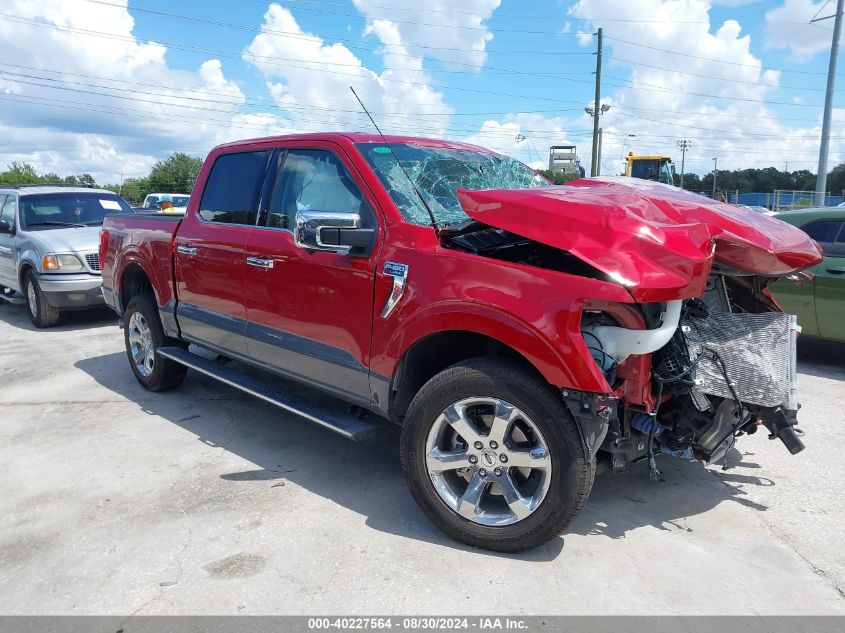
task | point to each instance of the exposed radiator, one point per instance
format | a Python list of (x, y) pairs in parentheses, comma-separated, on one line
[(758, 350)]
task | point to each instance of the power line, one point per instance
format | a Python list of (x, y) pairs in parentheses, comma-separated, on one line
[(411, 22), (654, 87), (416, 83), (399, 115), (707, 114), (312, 62), (710, 59), (33, 80), (502, 134), (727, 79), (448, 26)]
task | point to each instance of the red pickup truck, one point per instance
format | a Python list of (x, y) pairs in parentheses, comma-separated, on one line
[(520, 333)]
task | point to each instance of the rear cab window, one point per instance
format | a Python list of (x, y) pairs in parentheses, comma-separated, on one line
[(233, 188)]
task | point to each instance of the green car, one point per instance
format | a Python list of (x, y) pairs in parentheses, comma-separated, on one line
[(817, 296)]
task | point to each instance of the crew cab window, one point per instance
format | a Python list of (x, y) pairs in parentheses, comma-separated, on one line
[(7, 209), (233, 188), (312, 180)]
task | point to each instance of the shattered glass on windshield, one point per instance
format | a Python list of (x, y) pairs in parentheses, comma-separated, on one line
[(438, 173)]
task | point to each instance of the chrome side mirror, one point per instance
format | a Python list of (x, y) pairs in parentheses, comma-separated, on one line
[(331, 231)]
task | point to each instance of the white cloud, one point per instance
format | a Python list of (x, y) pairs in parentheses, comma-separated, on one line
[(315, 89), (524, 136), (110, 102), (661, 97), (788, 27), (444, 24), (733, 3)]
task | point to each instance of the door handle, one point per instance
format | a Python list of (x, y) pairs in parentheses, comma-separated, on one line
[(836, 271), (260, 262), (187, 250)]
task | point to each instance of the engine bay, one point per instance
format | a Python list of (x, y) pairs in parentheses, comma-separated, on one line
[(728, 367), (697, 373), (480, 239)]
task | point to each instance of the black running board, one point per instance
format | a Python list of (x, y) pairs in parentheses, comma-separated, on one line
[(344, 424)]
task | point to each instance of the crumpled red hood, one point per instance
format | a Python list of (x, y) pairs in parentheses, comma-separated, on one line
[(656, 240)]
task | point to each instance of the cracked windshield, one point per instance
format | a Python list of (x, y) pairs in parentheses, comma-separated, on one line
[(438, 173)]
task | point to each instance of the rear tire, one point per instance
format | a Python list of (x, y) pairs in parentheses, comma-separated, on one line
[(40, 312), (518, 508), (143, 336)]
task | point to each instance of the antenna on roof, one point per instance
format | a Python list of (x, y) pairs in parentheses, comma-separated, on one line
[(434, 224)]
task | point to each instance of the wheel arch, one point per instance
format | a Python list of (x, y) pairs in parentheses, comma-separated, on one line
[(133, 281), (436, 351), (25, 266)]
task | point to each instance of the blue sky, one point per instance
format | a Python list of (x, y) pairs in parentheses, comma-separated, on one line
[(109, 89)]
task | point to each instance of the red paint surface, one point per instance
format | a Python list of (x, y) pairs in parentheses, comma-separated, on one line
[(657, 240)]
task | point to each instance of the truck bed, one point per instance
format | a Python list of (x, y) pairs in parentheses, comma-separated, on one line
[(142, 239)]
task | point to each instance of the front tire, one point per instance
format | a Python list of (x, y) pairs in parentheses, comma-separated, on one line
[(40, 312), (493, 457), (143, 336)]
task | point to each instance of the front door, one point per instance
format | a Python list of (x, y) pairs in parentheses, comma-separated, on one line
[(8, 271), (209, 254), (310, 312)]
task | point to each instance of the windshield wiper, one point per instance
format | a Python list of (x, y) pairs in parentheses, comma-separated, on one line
[(55, 223)]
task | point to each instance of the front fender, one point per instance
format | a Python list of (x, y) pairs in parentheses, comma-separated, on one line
[(563, 361), (30, 258)]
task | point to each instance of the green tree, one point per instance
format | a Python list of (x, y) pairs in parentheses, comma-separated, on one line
[(835, 180), (19, 174), (692, 182), (558, 178), (176, 174)]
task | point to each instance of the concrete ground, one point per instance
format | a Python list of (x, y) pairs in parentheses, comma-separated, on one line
[(114, 500)]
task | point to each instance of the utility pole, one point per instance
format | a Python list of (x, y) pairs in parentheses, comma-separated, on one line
[(683, 145), (594, 171), (715, 171), (821, 178), (598, 162)]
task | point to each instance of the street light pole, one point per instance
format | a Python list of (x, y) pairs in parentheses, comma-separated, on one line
[(596, 106), (683, 145), (715, 171), (821, 178)]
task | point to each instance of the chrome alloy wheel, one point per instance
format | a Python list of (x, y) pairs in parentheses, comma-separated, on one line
[(31, 299), (488, 461), (141, 344)]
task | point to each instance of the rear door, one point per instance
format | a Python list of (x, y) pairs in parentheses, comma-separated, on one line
[(209, 254), (310, 312), (830, 288), (8, 271)]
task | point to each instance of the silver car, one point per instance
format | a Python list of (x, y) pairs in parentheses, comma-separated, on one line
[(49, 240)]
